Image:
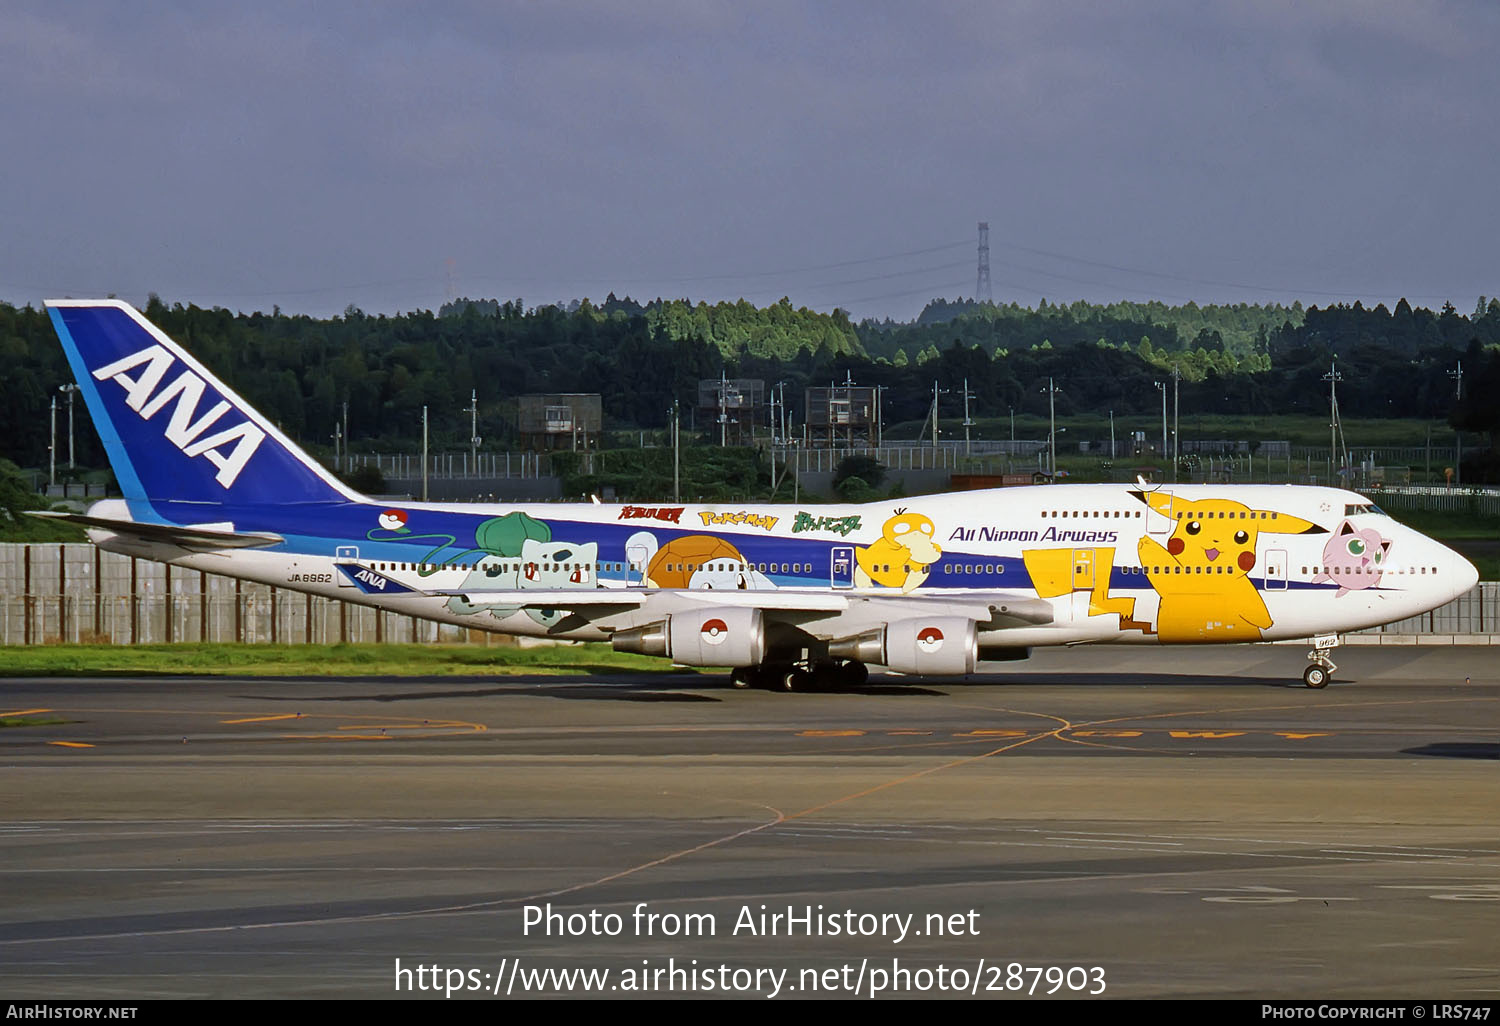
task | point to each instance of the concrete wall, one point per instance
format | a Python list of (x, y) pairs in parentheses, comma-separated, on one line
[(52, 593)]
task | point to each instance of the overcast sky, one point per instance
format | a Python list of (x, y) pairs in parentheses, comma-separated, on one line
[(388, 154)]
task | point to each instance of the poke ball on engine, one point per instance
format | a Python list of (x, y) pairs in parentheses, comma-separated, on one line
[(715, 631), (929, 639)]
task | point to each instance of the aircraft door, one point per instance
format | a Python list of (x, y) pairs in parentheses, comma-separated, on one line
[(638, 558), (1083, 584), (346, 554), (841, 566), (1276, 570), (1083, 569), (1159, 520)]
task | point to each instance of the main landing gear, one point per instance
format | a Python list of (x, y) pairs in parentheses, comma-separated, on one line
[(1321, 669), (835, 675)]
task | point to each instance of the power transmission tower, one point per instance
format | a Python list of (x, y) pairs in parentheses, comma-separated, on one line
[(982, 292)]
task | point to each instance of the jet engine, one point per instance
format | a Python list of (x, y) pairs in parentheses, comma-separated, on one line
[(936, 645), (723, 636)]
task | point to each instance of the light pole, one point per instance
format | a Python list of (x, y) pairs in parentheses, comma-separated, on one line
[(1458, 436), (723, 410), (676, 455), (1333, 377), (52, 448), (968, 421), (1176, 439), (1052, 391), (473, 430), (71, 389), (1161, 386)]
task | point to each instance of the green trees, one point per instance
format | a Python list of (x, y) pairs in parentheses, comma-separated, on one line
[(302, 371)]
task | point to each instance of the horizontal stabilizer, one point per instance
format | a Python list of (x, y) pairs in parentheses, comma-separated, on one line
[(203, 536)]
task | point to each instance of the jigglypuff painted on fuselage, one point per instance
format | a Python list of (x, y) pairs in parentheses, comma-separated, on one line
[(1353, 558), (1203, 573)]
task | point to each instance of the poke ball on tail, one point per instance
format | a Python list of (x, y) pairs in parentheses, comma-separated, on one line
[(393, 520), (929, 639)]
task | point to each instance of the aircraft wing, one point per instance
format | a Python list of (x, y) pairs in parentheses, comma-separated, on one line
[(633, 598), (991, 610), (194, 536)]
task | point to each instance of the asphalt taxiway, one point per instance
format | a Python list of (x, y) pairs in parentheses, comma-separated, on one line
[(1193, 823)]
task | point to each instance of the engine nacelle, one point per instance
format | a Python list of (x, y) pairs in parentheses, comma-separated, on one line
[(720, 636), (939, 646)]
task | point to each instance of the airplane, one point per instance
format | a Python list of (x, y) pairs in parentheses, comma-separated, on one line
[(790, 597)]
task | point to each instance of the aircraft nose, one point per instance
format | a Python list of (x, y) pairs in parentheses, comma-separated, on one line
[(1465, 574)]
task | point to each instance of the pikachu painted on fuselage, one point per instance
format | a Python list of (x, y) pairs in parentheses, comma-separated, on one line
[(1203, 572)]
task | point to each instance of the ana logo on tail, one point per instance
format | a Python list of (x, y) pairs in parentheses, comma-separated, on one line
[(229, 449)]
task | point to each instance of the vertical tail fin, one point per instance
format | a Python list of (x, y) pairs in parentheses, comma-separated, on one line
[(174, 432)]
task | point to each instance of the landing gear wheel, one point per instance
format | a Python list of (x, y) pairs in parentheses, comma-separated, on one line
[(853, 674), (1315, 676), (795, 679), (741, 677), (826, 677)]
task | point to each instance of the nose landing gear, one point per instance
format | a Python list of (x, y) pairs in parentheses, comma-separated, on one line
[(1322, 667)]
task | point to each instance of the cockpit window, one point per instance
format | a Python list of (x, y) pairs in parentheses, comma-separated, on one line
[(1362, 507)]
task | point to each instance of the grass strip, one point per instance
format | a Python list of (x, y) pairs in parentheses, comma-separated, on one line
[(258, 660)]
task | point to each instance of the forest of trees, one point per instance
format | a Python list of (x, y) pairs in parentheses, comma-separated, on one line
[(1234, 359)]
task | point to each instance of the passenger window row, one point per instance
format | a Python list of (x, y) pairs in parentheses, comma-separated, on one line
[(1178, 569), (1106, 514), (1338, 570), (498, 568)]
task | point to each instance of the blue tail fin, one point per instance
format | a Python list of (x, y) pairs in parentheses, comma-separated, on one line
[(174, 432)]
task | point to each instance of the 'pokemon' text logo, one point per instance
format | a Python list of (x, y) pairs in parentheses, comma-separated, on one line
[(229, 449), (670, 514), (760, 520), (841, 526)]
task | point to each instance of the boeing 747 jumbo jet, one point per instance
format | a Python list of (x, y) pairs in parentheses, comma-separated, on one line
[(789, 597)]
